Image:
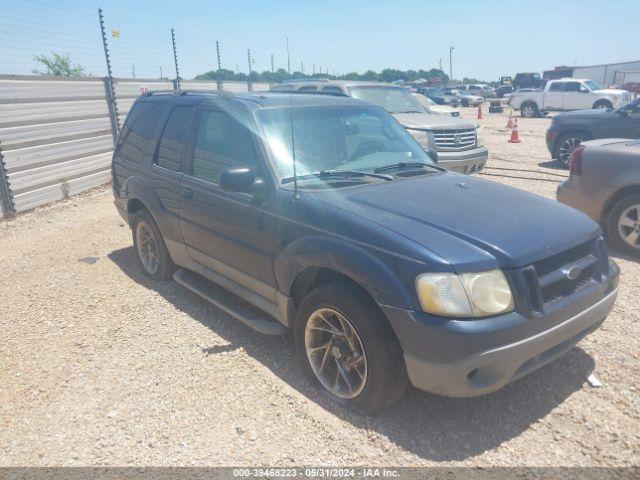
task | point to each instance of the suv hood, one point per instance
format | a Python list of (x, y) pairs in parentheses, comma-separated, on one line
[(595, 114), (431, 121), (468, 222), (610, 91)]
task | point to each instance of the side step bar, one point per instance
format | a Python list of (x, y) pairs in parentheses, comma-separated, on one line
[(231, 304)]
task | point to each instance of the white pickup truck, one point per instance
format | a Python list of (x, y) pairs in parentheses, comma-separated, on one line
[(568, 94)]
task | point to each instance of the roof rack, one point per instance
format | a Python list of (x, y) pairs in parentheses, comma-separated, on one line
[(186, 92)]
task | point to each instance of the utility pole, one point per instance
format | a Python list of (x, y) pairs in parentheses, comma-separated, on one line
[(161, 77), (288, 60), (272, 69), (302, 68), (440, 63), (249, 82), (314, 69), (451, 63), (133, 71), (219, 73)]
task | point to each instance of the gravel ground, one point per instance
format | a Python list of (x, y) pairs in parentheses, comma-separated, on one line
[(101, 366)]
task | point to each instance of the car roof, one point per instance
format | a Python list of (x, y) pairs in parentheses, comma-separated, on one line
[(254, 100), (343, 83)]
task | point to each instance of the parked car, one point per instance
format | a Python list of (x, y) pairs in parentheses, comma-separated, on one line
[(604, 183), (432, 107), (568, 130), (439, 96), (507, 96), (568, 94), (528, 80), (389, 269), (468, 99), (480, 89), (503, 90), (459, 143)]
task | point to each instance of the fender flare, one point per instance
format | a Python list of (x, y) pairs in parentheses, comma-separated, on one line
[(347, 258)]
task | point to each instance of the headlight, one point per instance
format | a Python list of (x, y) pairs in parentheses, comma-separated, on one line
[(422, 137), (480, 136), (467, 295)]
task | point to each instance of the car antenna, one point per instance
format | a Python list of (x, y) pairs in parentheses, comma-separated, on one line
[(293, 146)]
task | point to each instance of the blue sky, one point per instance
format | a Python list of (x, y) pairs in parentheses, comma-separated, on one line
[(491, 38)]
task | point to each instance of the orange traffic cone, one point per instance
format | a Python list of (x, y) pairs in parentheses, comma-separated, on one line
[(510, 122), (515, 134), (480, 112)]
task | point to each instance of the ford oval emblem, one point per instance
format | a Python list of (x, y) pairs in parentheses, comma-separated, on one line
[(573, 273)]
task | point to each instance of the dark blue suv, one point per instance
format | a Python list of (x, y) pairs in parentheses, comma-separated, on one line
[(323, 215)]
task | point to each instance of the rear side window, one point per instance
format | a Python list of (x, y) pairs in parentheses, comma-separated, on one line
[(141, 131), (174, 138), (308, 88), (222, 142), (572, 87), (556, 87), (333, 90)]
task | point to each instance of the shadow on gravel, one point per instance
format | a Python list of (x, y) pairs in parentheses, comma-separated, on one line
[(432, 427), (553, 164)]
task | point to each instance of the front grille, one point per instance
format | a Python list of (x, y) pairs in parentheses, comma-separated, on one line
[(548, 265), (452, 140), (552, 272), (564, 288)]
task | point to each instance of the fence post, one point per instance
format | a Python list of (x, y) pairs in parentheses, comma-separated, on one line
[(113, 111), (7, 208), (109, 87), (218, 77), (175, 59), (249, 82)]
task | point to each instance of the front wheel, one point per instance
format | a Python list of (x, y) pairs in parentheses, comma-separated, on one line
[(623, 226), (603, 105), (348, 349)]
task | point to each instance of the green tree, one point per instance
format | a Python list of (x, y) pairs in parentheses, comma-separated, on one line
[(59, 65)]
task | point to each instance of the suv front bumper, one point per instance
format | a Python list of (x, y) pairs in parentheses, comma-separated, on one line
[(467, 358), (466, 161)]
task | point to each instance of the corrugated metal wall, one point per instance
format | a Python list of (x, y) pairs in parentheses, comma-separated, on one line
[(55, 137), (55, 133)]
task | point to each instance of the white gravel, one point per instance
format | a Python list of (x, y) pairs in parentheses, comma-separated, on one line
[(101, 366)]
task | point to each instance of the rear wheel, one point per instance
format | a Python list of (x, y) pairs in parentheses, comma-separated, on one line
[(565, 146), (529, 110), (150, 248), (348, 349), (623, 225)]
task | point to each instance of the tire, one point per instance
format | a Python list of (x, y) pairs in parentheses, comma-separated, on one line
[(566, 144), (529, 110), (148, 240), (379, 378), (623, 225), (464, 103), (603, 105)]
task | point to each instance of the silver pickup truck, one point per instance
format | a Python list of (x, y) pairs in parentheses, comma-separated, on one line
[(568, 94), (459, 143)]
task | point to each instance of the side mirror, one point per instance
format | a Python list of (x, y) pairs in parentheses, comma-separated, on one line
[(237, 179), (243, 179)]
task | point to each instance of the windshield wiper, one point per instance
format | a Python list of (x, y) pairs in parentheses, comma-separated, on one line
[(336, 174), (406, 165)]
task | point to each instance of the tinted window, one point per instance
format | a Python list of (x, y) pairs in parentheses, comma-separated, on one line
[(333, 90), (572, 86), (174, 138), (308, 88), (222, 142), (139, 137), (557, 87)]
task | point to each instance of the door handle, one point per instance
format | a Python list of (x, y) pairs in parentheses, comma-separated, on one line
[(187, 193)]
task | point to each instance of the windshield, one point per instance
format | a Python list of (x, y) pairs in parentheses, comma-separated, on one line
[(424, 101), (336, 138), (392, 99), (592, 85)]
